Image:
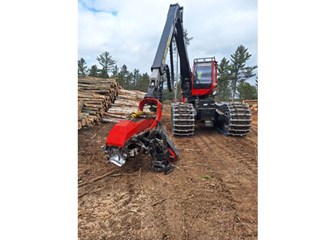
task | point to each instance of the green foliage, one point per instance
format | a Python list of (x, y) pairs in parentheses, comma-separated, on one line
[(129, 80), (103, 73), (239, 72), (94, 72), (232, 75), (107, 63), (115, 70), (205, 177), (233, 72), (187, 38), (135, 77), (223, 87), (122, 76), (132, 80), (82, 68), (143, 83), (247, 91), (167, 95)]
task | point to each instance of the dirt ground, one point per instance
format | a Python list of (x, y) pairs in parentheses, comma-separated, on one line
[(211, 194)]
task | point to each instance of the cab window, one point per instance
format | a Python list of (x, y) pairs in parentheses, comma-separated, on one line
[(203, 75)]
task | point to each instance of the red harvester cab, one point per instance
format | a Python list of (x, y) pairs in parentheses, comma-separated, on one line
[(204, 76)]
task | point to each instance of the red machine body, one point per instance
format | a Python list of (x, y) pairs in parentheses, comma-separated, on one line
[(141, 134), (124, 130), (204, 84)]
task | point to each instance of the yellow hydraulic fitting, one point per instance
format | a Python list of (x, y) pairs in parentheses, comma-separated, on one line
[(135, 114)]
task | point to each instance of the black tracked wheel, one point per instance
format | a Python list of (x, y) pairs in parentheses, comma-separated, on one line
[(182, 119), (233, 118)]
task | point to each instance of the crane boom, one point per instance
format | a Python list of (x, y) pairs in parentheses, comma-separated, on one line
[(159, 70)]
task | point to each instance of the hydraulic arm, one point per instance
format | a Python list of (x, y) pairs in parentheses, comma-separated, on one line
[(160, 71), (142, 132)]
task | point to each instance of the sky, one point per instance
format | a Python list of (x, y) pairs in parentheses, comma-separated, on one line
[(130, 30)]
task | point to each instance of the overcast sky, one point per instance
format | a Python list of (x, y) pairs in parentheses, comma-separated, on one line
[(130, 29)]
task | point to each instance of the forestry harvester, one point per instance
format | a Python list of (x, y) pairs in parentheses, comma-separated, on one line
[(142, 132)]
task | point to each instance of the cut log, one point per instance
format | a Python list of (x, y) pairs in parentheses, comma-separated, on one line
[(112, 120), (103, 100), (126, 102), (104, 92), (122, 116), (80, 106), (94, 105)]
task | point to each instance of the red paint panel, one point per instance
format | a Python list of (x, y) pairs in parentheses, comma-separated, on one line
[(201, 92), (155, 102), (173, 155), (125, 129)]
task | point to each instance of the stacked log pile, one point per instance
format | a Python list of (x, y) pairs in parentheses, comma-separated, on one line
[(250, 102), (95, 97), (253, 104), (126, 103), (254, 107)]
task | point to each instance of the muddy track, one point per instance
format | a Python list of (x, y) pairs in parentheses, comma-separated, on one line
[(211, 194)]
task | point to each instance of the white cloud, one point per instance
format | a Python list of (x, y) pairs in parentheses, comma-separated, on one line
[(132, 36)]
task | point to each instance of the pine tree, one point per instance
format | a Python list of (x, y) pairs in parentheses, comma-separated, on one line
[(136, 77), (94, 72), (187, 38), (115, 71), (82, 68), (123, 75), (143, 82), (107, 63), (239, 71), (224, 89), (129, 81), (247, 91)]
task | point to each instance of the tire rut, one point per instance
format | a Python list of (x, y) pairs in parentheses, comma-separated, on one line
[(236, 183)]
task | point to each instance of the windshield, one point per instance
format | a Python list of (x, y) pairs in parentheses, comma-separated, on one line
[(203, 75)]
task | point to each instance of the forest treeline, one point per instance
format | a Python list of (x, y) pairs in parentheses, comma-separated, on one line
[(233, 76)]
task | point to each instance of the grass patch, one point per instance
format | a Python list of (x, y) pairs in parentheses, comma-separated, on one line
[(205, 177)]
